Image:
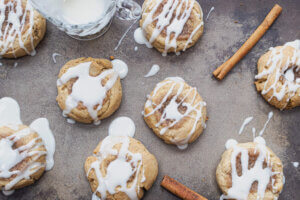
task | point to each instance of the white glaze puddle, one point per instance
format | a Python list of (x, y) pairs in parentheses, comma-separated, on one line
[(118, 171), (212, 8), (54, 55), (246, 121), (140, 38), (154, 69), (295, 164), (241, 184), (121, 67), (124, 35), (16, 20), (171, 110), (87, 89), (274, 73), (10, 157), (122, 126)]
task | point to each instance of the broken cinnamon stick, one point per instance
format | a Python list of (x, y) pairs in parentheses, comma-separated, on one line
[(222, 70), (180, 190)]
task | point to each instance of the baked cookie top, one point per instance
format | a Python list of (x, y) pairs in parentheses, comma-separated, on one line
[(175, 112), (22, 28), (89, 89), (121, 168), (172, 25), (250, 171), (278, 77)]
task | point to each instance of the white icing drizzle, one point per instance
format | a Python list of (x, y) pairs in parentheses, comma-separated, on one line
[(122, 126), (119, 171), (139, 37), (274, 74), (246, 121), (87, 89), (295, 164), (71, 121), (12, 27), (154, 69), (121, 67), (54, 55), (270, 115), (171, 110), (10, 157), (212, 8), (241, 185), (124, 35), (172, 8)]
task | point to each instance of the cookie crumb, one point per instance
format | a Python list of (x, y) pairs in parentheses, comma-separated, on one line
[(111, 57), (236, 22)]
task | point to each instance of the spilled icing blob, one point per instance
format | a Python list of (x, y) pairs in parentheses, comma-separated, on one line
[(10, 156), (12, 26), (121, 67), (230, 143), (122, 126), (295, 164), (71, 121), (87, 89), (140, 38), (246, 121), (119, 171), (54, 55), (171, 111), (154, 69)]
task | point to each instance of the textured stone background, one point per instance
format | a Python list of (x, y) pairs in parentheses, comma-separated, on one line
[(33, 84)]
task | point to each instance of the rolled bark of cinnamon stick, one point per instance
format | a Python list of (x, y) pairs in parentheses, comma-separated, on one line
[(180, 190), (222, 70)]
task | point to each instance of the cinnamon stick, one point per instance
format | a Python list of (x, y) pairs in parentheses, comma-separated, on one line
[(222, 70), (180, 190)]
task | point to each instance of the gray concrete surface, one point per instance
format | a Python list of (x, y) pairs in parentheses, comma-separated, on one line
[(33, 84)]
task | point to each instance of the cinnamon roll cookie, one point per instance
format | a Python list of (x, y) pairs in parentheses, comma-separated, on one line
[(25, 152), (22, 28), (120, 169), (278, 78), (89, 90), (171, 25), (175, 112), (250, 171)]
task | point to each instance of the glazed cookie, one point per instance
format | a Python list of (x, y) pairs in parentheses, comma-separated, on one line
[(250, 171), (175, 112), (278, 78), (22, 157), (120, 169), (89, 89), (22, 28), (172, 25)]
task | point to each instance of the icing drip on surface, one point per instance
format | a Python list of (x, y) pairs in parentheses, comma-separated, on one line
[(122, 126), (295, 164), (241, 184), (54, 55), (136, 48), (212, 8), (71, 121), (124, 35), (154, 69), (246, 121), (172, 18), (270, 115), (121, 67), (87, 89), (13, 26), (171, 111), (274, 75), (11, 156), (119, 171), (139, 37)]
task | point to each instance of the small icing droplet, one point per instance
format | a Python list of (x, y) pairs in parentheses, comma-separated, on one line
[(122, 126), (230, 143), (212, 8), (54, 55), (270, 115), (182, 147), (246, 121), (71, 121), (136, 48), (154, 69), (120, 67), (295, 164)]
